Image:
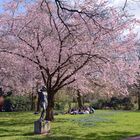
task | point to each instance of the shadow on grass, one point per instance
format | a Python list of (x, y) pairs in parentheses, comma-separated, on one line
[(115, 135), (92, 136), (17, 123)]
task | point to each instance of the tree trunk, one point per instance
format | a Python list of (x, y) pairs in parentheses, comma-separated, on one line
[(38, 104), (1, 102), (32, 100), (138, 101), (69, 109), (79, 100), (37, 100), (50, 108)]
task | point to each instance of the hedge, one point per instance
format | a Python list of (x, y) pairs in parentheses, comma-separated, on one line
[(17, 103)]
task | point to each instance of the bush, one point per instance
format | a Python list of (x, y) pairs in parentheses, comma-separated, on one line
[(114, 103), (100, 104), (17, 103), (127, 104), (60, 105)]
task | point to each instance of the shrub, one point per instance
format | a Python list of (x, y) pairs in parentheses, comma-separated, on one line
[(127, 104), (17, 103), (60, 105), (100, 104), (114, 103)]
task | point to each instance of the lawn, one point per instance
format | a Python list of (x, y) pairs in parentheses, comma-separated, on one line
[(104, 125)]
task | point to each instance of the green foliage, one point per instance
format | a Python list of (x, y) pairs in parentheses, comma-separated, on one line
[(114, 103), (99, 104), (17, 103), (63, 101), (127, 104), (60, 105)]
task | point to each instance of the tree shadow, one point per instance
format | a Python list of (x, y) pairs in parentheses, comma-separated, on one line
[(8, 132), (17, 123), (116, 135)]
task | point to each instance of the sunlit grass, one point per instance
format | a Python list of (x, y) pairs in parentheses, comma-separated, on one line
[(104, 125)]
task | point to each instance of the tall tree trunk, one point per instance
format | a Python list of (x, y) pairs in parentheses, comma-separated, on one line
[(50, 108), (37, 100), (32, 100), (38, 104), (69, 109), (79, 100), (1, 102), (138, 100)]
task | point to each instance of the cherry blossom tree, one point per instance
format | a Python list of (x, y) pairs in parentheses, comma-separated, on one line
[(71, 44), (15, 76)]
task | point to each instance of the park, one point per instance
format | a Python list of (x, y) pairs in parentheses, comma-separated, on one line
[(105, 125), (69, 70)]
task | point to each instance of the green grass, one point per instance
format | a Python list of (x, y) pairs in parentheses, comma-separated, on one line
[(104, 125)]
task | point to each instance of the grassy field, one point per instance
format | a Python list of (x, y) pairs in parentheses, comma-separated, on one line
[(104, 125)]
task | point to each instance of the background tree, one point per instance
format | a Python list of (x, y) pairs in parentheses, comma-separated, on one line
[(70, 43)]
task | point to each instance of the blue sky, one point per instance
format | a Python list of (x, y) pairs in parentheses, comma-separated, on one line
[(133, 7), (1, 1)]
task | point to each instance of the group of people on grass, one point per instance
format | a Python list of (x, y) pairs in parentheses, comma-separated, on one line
[(83, 110)]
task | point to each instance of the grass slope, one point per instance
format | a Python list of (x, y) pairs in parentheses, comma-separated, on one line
[(104, 125)]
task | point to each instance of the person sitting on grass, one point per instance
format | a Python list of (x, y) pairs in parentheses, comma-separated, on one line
[(92, 110), (74, 111), (81, 111)]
